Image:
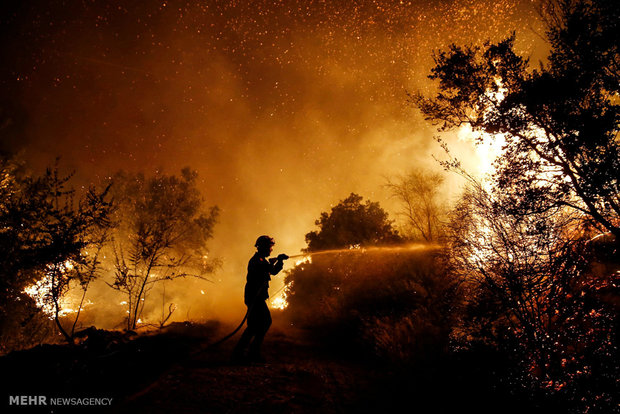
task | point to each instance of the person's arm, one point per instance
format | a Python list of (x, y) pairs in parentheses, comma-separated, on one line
[(278, 263)]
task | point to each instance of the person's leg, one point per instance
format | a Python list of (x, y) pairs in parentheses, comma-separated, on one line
[(263, 323)]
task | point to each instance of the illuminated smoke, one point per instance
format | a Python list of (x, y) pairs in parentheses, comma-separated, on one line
[(283, 108)]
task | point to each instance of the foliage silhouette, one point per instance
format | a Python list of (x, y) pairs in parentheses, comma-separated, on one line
[(393, 304), (560, 121), (352, 223), (45, 231), (161, 234), (537, 245), (534, 289)]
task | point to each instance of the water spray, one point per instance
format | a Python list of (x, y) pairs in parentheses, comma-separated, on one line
[(306, 257), (352, 249), (359, 249)]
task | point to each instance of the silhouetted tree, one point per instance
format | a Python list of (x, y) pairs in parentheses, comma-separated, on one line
[(161, 235), (44, 233), (89, 268), (560, 122), (352, 223), (395, 303), (419, 194), (524, 243)]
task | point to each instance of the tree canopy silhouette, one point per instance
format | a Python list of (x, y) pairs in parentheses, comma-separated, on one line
[(560, 121), (352, 223), (45, 228), (523, 246)]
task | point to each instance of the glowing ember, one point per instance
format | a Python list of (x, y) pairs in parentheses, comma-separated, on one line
[(279, 303), (279, 300)]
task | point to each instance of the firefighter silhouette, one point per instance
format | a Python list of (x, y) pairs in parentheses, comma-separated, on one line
[(260, 270)]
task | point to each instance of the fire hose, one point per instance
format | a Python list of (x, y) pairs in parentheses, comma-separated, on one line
[(245, 317)]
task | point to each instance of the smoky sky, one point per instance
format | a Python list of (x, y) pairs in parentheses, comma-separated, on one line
[(283, 107)]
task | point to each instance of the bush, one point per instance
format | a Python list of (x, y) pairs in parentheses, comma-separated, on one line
[(394, 304)]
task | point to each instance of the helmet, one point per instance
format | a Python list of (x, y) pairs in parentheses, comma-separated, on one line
[(264, 241)]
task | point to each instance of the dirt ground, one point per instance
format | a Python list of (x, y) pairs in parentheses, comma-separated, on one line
[(175, 371), (297, 378), (167, 372)]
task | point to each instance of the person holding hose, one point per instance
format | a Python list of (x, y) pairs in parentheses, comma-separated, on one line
[(260, 270)]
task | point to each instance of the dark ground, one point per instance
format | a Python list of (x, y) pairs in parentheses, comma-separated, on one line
[(297, 378), (163, 373)]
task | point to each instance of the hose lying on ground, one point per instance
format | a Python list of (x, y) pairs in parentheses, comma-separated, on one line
[(230, 335)]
